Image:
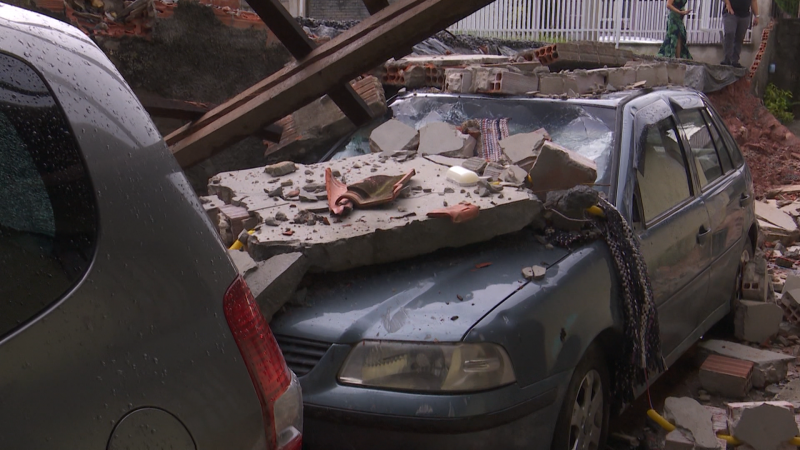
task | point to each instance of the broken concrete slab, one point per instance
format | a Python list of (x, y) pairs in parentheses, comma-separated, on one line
[(272, 282), (523, 148), (690, 416), (775, 216), (763, 425), (377, 235), (392, 136), (729, 377), (757, 321), (557, 168), (458, 81), (439, 138), (511, 83), (770, 367)]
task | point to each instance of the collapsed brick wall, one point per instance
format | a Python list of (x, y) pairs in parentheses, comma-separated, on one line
[(337, 9)]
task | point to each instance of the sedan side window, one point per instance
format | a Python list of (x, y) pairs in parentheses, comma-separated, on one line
[(722, 149), (661, 173), (704, 154), (48, 218)]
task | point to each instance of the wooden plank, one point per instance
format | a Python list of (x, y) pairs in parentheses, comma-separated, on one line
[(373, 6), (368, 44), (292, 36)]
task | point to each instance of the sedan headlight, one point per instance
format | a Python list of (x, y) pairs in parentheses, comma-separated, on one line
[(427, 367)]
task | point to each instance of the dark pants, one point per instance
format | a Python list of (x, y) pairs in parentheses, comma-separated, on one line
[(734, 28)]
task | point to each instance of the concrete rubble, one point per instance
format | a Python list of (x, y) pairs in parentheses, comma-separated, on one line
[(393, 136), (763, 425), (693, 421), (557, 168), (768, 367)]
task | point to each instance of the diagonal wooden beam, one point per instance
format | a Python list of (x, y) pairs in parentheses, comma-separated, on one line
[(292, 36), (370, 43), (373, 6)]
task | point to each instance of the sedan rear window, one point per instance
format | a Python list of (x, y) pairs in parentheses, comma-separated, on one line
[(585, 129)]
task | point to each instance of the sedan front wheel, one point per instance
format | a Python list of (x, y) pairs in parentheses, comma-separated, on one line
[(583, 420)]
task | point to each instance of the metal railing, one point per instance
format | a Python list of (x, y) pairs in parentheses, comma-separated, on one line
[(618, 21)]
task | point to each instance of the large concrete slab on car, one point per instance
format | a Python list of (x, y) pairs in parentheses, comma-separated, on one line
[(390, 232)]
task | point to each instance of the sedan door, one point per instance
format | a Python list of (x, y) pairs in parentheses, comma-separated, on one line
[(724, 191), (672, 224)]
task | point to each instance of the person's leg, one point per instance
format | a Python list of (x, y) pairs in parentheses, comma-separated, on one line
[(729, 36), (741, 29)]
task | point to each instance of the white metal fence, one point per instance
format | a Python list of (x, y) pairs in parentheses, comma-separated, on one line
[(619, 21)]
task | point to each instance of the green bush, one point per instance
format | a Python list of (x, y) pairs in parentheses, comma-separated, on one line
[(788, 6), (778, 103)]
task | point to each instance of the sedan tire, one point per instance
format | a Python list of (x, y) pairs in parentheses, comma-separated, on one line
[(583, 420)]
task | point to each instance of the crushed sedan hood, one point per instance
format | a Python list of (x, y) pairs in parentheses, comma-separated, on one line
[(438, 297)]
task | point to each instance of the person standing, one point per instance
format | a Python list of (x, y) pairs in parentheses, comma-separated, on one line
[(735, 20), (674, 45)]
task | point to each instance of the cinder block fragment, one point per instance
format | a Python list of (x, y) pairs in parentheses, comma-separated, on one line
[(552, 84), (676, 73), (515, 83), (621, 77), (458, 81), (757, 321)]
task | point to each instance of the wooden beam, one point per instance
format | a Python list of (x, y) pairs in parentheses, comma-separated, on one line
[(166, 108), (292, 36), (373, 6), (368, 44)]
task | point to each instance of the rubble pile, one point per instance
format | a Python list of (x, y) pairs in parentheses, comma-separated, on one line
[(749, 425), (574, 69), (771, 150)]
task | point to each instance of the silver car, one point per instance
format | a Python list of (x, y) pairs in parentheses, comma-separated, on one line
[(123, 323)]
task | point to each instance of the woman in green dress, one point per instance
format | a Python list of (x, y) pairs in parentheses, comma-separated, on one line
[(674, 45)]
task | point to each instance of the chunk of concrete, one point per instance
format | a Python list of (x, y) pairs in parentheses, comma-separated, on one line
[(677, 440), (458, 81), (757, 321), (523, 148), (280, 169), (589, 81), (790, 392), (392, 136), (557, 168), (769, 367), (775, 216), (691, 417), (755, 282), (439, 138), (272, 282), (763, 426), (729, 377)]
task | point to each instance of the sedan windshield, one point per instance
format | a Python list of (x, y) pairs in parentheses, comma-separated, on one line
[(585, 129)]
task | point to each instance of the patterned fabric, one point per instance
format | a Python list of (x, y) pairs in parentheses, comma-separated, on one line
[(492, 131), (676, 32), (641, 346)]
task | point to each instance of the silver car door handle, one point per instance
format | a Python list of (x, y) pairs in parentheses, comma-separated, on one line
[(745, 200)]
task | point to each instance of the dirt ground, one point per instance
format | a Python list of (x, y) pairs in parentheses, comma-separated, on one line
[(771, 149)]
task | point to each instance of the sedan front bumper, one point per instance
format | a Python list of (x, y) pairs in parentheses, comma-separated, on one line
[(349, 417)]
